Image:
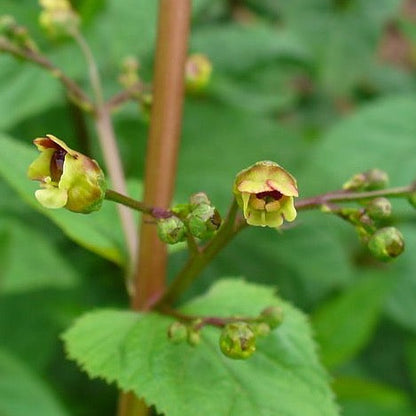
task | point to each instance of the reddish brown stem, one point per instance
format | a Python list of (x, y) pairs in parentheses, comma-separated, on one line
[(161, 157), (162, 148)]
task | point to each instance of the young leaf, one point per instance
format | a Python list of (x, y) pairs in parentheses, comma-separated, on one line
[(344, 325), (132, 349), (23, 393)]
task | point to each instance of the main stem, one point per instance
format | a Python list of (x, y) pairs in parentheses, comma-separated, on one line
[(161, 158), (163, 144)]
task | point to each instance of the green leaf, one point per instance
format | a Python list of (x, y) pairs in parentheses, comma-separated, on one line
[(343, 38), (344, 325), (99, 232), (230, 141), (238, 49), (360, 397), (23, 393), (379, 135), (303, 272), (112, 41), (43, 265), (283, 377), (402, 302), (25, 91), (411, 361)]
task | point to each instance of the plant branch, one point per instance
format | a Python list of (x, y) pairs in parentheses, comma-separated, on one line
[(218, 321), (199, 260), (347, 196), (93, 73), (132, 93), (75, 92), (109, 147)]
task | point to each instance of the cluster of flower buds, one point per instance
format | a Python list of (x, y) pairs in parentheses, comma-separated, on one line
[(238, 335), (371, 221), (265, 192), (370, 180), (198, 218), (179, 332), (68, 179), (129, 75), (16, 34), (198, 70), (58, 17)]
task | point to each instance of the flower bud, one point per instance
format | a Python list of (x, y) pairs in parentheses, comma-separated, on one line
[(57, 17), (146, 103), (171, 230), (194, 337), (386, 243), (203, 221), (238, 340), (199, 198), (261, 329), (129, 72), (177, 332), (198, 69), (367, 181), (68, 178), (379, 209), (265, 192), (272, 316)]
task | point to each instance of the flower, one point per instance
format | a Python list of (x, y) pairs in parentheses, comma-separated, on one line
[(58, 17), (265, 192), (68, 178), (198, 69)]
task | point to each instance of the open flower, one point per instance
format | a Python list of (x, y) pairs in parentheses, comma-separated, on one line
[(265, 192), (68, 179)]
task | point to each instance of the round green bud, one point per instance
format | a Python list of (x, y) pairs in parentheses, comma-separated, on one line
[(367, 181), (386, 243), (379, 209), (177, 332), (199, 198), (272, 316), (194, 337), (238, 340), (203, 221), (261, 329), (171, 230)]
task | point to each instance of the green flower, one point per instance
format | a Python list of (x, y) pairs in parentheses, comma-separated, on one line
[(68, 179), (58, 17), (238, 340), (198, 69), (265, 192)]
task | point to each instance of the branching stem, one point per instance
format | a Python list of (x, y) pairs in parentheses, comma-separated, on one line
[(108, 144), (75, 92), (347, 196)]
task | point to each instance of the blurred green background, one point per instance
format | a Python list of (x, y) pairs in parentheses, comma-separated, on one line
[(326, 88)]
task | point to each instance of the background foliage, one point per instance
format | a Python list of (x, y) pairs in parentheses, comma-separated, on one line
[(326, 88)]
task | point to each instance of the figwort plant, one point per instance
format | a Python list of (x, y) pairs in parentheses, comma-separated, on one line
[(201, 357)]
